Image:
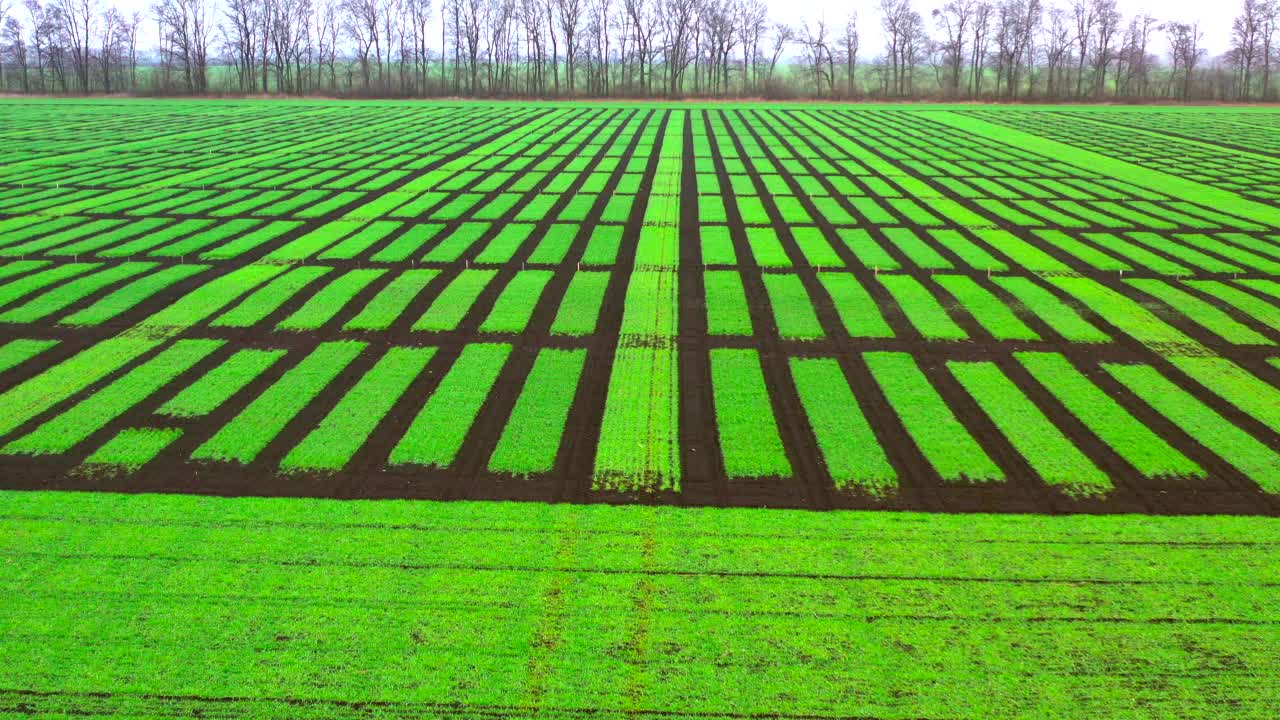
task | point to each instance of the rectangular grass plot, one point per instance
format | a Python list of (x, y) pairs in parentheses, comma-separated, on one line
[(922, 309), (749, 441), (990, 312), (210, 391), (1055, 313), (332, 444), (16, 352), (132, 448), (452, 304), (514, 307), (505, 244), (792, 309), (329, 300), (436, 434), (933, 426), (726, 302), (532, 436), (848, 445), (67, 294), (391, 300), (249, 432), (855, 306), (580, 309), (69, 428), (262, 302), (1135, 442), (1255, 460), (1049, 452)]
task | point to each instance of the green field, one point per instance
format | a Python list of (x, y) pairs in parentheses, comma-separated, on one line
[(1025, 359), (154, 606)]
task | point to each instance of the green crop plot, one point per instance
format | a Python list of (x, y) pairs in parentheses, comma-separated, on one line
[(915, 307)]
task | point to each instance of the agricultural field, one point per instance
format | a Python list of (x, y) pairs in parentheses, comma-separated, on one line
[(922, 308), (1047, 337)]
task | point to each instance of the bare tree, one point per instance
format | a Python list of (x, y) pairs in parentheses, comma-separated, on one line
[(1185, 50), (1058, 42), (905, 36), (954, 19), (678, 22), (569, 14), (78, 25), (1106, 24), (814, 41), (850, 42), (15, 49), (783, 35), (185, 30), (1246, 43), (1084, 14)]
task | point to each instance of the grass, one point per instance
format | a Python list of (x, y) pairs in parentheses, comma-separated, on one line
[(131, 295), (214, 388), (262, 302), (1046, 449), (1255, 460), (17, 352), (332, 444), (849, 446), (407, 243), (1254, 307), (277, 234), (554, 245), (1122, 312), (717, 245), (543, 600), (434, 436), (514, 307), (986, 308), (17, 289), (603, 245), (211, 297), (503, 246), (855, 306), (532, 435), (766, 248), (250, 431), (1055, 313), (131, 449), (922, 309), (73, 426), (321, 307), (390, 302), (453, 302), (28, 399), (1201, 312), (868, 251), (916, 249), (815, 248), (727, 312), (1236, 385), (579, 311), (749, 442), (68, 293), (792, 309), (1136, 443), (934, 428)]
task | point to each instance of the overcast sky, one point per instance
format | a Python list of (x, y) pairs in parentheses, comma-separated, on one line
[(1215, 17)]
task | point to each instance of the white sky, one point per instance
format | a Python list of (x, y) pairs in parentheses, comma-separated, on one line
[(1215, 18)]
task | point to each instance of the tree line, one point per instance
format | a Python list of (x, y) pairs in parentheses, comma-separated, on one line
[(1014, 50)]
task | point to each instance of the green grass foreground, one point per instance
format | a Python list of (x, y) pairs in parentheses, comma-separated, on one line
[(167, 606)]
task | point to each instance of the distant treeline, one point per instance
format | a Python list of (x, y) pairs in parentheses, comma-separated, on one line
[(1015, 50)]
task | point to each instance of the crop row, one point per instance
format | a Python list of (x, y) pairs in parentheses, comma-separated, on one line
[(331, 413)]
